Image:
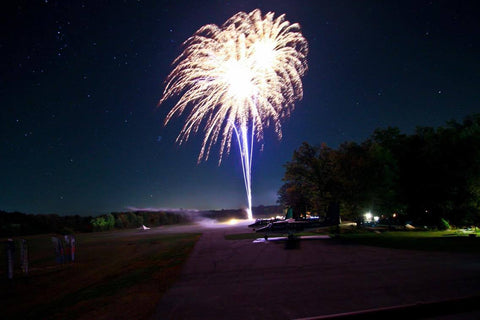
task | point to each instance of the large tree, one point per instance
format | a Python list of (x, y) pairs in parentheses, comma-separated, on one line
[(441, 172), (429, 175), (309, 180)]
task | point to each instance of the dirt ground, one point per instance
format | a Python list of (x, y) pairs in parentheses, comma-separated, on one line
[(243, 279)]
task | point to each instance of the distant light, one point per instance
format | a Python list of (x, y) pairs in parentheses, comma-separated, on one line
[(368, 216), (376, 218)]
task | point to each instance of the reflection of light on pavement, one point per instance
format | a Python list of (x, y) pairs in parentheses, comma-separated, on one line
[(262, 240), (319, 237)]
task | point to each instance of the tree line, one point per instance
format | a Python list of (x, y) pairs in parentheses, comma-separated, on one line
[(128, 220), (17, 223), (427, 176)]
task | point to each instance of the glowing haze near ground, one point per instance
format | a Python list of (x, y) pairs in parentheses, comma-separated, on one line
[(240, 77)]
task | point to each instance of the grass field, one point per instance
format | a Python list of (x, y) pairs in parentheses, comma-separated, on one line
[(116, 275), (449, 241)]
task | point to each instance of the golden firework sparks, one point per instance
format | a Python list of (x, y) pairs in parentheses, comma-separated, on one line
[(244, 74)]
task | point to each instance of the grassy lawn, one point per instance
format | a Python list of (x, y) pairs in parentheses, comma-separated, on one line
[(449, 241), (116, 275)]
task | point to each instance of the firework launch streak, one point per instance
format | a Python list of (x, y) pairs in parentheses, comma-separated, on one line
[(241, 77)]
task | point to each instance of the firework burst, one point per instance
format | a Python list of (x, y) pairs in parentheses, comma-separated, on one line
[(241, 77)]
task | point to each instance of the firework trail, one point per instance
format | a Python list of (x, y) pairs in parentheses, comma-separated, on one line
[(241, 77)]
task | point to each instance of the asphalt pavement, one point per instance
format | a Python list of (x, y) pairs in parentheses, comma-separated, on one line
[(245, 279)]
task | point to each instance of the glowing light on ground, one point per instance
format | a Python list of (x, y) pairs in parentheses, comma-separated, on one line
[(232, 221), (213, 224), (241, 77)]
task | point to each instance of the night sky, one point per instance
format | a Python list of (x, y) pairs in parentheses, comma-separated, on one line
[(80, 131)]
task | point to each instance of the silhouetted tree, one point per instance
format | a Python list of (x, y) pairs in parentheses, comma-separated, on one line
[(430, 175)]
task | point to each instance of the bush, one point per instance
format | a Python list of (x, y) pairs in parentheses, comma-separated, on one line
[(66, 231), (119, 223), (444, 225), (103, 223)]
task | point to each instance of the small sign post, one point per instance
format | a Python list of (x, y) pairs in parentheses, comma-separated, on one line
[(10, 258), (72, 247), (58, 246), (24, 255)]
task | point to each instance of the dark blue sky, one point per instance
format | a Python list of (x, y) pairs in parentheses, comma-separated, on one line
[(80, 81)]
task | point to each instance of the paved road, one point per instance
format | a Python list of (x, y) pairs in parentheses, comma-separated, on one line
[(240, 279)]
